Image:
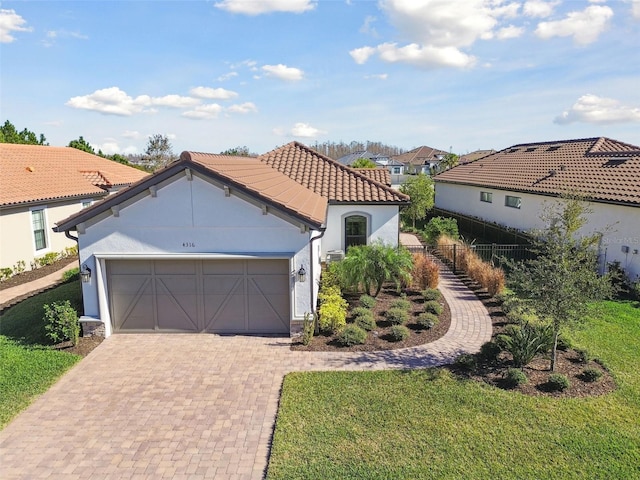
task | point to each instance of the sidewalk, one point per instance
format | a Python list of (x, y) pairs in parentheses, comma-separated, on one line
[(8, 295)]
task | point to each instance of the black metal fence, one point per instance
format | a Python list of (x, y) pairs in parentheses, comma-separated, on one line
[(496, 254)]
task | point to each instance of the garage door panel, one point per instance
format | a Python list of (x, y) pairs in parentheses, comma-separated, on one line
[(219, 296)]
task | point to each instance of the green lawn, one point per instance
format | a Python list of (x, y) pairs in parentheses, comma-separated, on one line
[(27, 367), (428, 424)]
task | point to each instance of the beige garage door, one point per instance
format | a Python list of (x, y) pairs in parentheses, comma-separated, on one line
[(218, 296)]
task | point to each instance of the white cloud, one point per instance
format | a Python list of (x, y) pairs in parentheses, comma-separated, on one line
[(303, 130), (539, 8), (635, 9), (438, 30), (599, 110), (380, 76), (173, 101), (227, 76), (108, 148), (283, 72), (366, 27), (246, 107), (257, 7), (584, 27), (110, 101), (11, 22), (212, 93), (204, 112), (509, 32), (134, 134)]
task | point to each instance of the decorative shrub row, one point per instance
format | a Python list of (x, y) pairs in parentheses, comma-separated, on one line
[(47, 259)]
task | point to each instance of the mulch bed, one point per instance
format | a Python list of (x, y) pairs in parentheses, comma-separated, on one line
[(31, 275), (83, 348), (379, 338), (568, 363)]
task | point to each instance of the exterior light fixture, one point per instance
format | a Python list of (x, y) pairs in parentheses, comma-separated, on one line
[(85, 273), (301, 275)]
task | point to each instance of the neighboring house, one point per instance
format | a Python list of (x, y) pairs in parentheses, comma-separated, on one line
[(394, 167), (420, 160), (226, 244), (511, 187), (473, 156), (40, 185)]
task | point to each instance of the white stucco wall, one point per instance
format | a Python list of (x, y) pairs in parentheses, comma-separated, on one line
[(16, 232), (620, 224), (383, 226), (193, 219)]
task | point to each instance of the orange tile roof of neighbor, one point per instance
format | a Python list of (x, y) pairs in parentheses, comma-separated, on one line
[(265, 182), (380, 175), (325, 176), (419, 156), (36, 173), (600, 169)]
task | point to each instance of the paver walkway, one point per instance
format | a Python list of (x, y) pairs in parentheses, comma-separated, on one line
[(191, 406), (8, 294)]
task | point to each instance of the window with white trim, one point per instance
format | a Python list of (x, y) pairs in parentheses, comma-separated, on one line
[(396, 170), (486, 197), (355, 230), (86, 203), (513, 202), (39, 225)]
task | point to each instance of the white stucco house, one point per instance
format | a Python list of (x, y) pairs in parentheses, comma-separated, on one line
[(226, 244), (41, 185), (512, 186)]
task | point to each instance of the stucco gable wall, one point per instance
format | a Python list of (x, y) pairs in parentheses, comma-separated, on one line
[(383, 226), (620, 224), (196, 219)]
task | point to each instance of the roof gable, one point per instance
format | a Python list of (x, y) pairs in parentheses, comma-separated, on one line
[(419, 156), (36, 173), (601, 169), (329, 178)]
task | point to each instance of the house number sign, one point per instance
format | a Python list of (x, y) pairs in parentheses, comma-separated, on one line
[(189, 244)]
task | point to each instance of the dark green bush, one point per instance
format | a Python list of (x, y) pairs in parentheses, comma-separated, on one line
[(489, 352), (357, 311), (525, 341), (427, 320), (367, 301), (591, 374), (399, 333), (584, 356), (441, 225), (397, 316), (366, 321), (402, 303), (431, 294), (352, 335), (61, 322), (514, 377), (73, 274), (433, 307), (558, 382), (466, 362), (308, 328)]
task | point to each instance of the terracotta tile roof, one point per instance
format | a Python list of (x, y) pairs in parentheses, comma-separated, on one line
[(35, 173), (380, 175), (325, 176), (419, 156), (473, 156), (601, 169), (265, 182)]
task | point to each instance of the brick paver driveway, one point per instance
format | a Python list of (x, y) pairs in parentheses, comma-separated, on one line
[(190, 406)]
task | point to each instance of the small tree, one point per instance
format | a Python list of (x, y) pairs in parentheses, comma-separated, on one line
[(420, 189), (562, 280), (82, 144), (363, 163), (159, 152)]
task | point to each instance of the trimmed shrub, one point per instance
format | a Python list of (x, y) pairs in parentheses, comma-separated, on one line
[(427, 320), (396, 316), (438, 226), (431, 294), (308, 328), (433, 307), (489, 352), (47, 259), (525, 341), (5, 273), (367, 301), (357, 311), (558, 382), (73, 274), (366, 321), (466, 362), (583, 356), (425, 273), (333, 309), (402, 303), (399, 333), (591, 374), (514, 377), (61, 322), (352, 335)]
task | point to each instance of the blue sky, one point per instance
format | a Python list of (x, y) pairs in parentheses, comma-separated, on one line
[(452, 74)]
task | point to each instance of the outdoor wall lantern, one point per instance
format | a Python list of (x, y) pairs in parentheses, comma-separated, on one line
[(301, 275), (85, 273)]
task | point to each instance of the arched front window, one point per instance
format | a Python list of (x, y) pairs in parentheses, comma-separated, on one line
[(355, 231)]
